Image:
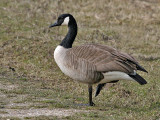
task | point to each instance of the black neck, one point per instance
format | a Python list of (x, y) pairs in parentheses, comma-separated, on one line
[(70, 37)]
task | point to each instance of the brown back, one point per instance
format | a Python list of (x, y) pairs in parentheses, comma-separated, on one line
[(103, 58)]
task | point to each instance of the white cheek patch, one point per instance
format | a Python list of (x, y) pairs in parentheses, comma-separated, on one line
[(66, 21)]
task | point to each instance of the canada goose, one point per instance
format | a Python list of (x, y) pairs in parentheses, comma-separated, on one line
[(93, 63)]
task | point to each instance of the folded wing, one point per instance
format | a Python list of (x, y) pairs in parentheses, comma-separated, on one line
[(106, 59)]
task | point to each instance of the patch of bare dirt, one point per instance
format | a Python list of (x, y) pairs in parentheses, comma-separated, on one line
[(37, 112), (7, 87), (6, 110)]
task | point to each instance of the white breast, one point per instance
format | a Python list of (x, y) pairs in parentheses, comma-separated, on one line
[(59, 56), (57, 52)]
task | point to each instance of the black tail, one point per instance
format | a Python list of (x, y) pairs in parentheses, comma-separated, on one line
[(139, 79)]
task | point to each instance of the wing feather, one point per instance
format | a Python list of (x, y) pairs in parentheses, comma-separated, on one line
[(104, 58)]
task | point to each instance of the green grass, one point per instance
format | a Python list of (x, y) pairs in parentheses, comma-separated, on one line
[(27, 45)]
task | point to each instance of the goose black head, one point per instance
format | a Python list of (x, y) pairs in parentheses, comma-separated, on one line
[(64, 19)]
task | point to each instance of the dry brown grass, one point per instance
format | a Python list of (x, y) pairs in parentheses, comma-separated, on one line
[(27, 46)]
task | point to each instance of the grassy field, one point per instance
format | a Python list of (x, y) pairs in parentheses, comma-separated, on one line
[(33, 87)]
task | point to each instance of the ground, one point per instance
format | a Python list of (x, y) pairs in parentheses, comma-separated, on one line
[(33, 87)]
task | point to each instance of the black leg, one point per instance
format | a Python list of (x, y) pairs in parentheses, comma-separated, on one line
[(99, 88), (90, 95)]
